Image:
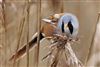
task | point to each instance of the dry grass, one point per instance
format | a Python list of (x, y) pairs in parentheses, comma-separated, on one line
[(61, 49), (5, 31), (55, 51), (39, 27)]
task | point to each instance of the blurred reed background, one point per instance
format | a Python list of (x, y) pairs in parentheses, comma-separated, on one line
[(19, 21)]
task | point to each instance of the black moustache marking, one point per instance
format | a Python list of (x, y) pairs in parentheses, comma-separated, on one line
[(62, 27), (70, 26)]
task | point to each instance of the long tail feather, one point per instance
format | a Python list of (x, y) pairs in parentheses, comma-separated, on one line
[(22, 51)]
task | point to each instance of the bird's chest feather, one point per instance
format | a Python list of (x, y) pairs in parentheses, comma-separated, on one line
[(48, 30)]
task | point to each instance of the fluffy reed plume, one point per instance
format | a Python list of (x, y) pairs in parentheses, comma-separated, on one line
[(61, 47)]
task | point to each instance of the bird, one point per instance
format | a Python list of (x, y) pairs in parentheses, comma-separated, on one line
[(69, 25), (66, 23)]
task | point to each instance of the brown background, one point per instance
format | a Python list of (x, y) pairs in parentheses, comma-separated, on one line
[(15, 10)]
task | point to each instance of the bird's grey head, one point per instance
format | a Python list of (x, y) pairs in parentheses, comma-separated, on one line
[(68, 24)]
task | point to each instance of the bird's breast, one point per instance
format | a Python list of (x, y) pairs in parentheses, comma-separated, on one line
[(48, 30)]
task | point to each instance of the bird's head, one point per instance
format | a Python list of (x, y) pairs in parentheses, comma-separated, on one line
[(68, 24)]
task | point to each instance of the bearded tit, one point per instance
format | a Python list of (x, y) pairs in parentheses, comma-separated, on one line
[(67, 23)]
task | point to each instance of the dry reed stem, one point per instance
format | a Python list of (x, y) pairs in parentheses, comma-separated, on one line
[(21, 27), (91, 46), (38, 38), (4, 25), (62, 6), (27, 46)]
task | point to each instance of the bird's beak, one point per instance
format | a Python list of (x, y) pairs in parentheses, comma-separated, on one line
[(66, 26)]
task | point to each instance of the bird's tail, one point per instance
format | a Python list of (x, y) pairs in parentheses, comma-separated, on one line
[(22, 51)]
